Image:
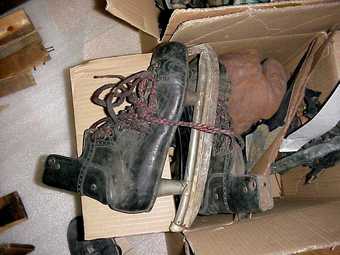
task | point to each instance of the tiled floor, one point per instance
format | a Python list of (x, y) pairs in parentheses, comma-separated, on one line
[(38, 121)]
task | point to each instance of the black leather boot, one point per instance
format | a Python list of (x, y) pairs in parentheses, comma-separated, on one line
[(79, 246), (229, 187), (124, 154)]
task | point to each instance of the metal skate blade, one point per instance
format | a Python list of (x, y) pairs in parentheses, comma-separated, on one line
[(200, 145)]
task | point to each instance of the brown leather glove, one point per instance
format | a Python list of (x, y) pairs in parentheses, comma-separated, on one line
[(256, 89)]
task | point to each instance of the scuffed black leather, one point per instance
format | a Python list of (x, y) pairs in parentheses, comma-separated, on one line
[(62, 172), (79, 246), (214, 200), (229, 189), (124, 169)]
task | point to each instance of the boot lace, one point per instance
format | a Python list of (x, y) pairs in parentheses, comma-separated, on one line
[(140, 91)]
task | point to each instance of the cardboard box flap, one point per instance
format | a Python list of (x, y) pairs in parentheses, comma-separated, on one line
[(337, 51), (323, 79), (180, 16), (288, 54), (327, 185), (254, 23), (142, 14), (290, 228), (313, 55), (326, 75)]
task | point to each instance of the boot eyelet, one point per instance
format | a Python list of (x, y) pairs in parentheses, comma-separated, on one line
[(93, 187), (52, 162), (252, 185)]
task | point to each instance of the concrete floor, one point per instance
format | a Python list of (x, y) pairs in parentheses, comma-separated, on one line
[(38, 121)]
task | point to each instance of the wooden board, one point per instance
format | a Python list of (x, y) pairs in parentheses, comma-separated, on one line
[(21, 50), (99, 220), (15, 83), (16, 249), (12, 211)]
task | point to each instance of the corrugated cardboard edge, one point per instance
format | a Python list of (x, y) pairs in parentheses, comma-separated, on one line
[(337, 51), (301, 226), (142, 14), (263, 22), (179, 17), (327, 185), (99, 220), (317, 47), (293, 47)]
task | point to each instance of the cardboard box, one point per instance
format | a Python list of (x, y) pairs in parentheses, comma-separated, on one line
[(306, 217), (144, 15)]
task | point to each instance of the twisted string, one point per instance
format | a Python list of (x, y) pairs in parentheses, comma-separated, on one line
[(140, 90)]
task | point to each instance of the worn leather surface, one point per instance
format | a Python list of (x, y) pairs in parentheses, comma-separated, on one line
[(229, 189), (79, 246), (256, 89), (124, 169), (221, 158)]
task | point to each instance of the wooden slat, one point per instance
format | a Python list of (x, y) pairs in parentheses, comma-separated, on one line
[(21, 50), (16, 249), (12, 211), (16, 83)]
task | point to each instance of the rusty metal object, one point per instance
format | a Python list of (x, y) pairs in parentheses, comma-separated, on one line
[(21, 51)]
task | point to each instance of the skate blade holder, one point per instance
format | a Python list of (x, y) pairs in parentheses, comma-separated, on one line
[(204, 100)]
